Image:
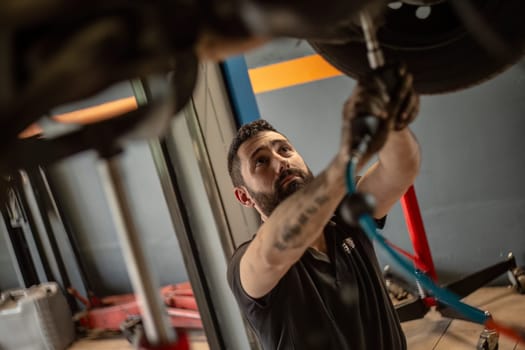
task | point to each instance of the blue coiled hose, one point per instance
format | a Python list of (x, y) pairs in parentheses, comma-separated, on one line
[(444, 296)]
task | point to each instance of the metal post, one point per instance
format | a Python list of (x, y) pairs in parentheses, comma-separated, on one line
[(417, 233), (5, 227), (374, 53), (145, 284), (409, 202), (35, 234)]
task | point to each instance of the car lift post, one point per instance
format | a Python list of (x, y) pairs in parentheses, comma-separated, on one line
[(159, 334)]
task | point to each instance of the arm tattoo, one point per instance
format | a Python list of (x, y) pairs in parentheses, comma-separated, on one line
[(291, 234)]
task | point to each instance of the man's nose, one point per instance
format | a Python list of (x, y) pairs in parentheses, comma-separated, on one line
[(282, 163)]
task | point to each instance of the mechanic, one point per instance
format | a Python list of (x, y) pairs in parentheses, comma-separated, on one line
[(307, 280)]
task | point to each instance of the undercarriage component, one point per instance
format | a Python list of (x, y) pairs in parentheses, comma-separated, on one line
[(447, 45)]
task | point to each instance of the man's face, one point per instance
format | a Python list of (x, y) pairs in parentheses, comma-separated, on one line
[(272, 170)]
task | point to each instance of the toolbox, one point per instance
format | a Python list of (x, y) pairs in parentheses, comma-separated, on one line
[(36, 318)]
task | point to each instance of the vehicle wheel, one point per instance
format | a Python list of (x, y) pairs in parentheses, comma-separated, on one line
[(397, 287), (484, 345), (518, 279), (436, 45), (521, 283), (488, 340)]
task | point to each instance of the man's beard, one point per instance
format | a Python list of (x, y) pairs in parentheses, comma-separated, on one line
[(267, 202)]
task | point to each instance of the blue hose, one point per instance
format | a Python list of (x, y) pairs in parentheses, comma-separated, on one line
[(350, 175), (444, 296)]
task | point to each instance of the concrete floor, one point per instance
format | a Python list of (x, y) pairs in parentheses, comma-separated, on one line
[(197, 338), (438, 333), (433, 332)]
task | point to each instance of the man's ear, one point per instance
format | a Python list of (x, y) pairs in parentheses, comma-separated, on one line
[(243, 197)]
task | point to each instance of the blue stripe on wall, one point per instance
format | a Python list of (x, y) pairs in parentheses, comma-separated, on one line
[(240, 90)]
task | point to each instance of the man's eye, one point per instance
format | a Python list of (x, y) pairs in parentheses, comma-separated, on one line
[(261, 161), (286, 149)]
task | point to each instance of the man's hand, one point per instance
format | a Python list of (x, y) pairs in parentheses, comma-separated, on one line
[(389, 95), (404, 102), (386, 93)]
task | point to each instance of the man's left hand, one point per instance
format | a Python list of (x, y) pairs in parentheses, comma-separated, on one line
[(404, 100)]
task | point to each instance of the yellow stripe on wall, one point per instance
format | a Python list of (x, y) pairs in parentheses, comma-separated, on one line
[(263, 79), (32, 130), (99, 112), (289, 73), (88, 115)]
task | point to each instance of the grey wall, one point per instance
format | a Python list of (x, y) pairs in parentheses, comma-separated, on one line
[(470, 189), (81, 193), (278, 50), (8, 277)]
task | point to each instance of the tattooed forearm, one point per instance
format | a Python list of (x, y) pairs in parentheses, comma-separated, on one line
[(291, 236), (321, 200), (298, 221)]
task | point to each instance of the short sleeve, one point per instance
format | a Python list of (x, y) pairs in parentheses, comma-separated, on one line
[(250, 306)]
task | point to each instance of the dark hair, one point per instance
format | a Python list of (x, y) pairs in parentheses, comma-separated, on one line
[(246, 132)]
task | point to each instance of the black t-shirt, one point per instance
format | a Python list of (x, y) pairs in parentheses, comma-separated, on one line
[(335, 301)]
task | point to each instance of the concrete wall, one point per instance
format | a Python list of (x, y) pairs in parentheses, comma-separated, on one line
[(8, 278)]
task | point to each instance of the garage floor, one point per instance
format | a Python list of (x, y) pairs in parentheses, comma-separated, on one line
[(430, 333), (438, 333)]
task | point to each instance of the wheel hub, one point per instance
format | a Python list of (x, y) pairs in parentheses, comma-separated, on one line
[(422, 2)]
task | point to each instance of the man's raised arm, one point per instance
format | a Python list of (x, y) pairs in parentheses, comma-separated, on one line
[(299, 220), (292, 227)]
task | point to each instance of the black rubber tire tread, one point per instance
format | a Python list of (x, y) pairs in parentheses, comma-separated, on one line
[(459, 64), (521, 283)]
